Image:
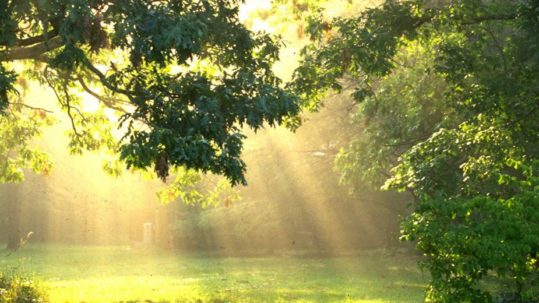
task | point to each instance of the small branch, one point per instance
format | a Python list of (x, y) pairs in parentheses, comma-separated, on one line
[(481, 19), (103, 79), (498, 47), (71, 118), (68, 107), (414, 196), (31, 107), (474, 20), (409, 143), (384, 173), (68, 98), (399, 63), (106, 100)]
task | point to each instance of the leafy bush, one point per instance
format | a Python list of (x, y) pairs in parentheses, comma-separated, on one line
[(466, 241), (17, 289)]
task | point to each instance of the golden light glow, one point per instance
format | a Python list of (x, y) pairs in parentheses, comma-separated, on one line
[(90, 242)]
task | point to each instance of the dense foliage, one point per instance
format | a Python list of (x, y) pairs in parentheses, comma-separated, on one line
[(185, 75), (403, 109), (18, 126), (457, 124)]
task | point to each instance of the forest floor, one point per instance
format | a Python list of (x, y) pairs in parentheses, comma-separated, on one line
[(122, 274)]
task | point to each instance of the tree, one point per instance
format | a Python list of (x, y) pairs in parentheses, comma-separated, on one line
[(403, 109), (185, 76), (475, 175), (18, 126)]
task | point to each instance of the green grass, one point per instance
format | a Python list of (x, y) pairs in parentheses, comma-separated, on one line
[(115, 274)]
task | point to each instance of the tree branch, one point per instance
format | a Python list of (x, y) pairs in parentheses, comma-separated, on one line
[(68, 106), (37, 39), (471, 21), (106, 100), (103, 79), (31, 52), (31, 107), (480, 19)]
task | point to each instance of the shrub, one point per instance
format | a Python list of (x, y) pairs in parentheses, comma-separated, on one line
[(17, 289)]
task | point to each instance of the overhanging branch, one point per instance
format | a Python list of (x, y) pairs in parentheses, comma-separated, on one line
[(37, 39), (31, 52)]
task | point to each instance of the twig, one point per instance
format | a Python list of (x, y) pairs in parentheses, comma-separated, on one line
[(68, 107), (31, 107)]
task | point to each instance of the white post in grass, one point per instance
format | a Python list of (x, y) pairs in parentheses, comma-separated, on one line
[(147, 236)]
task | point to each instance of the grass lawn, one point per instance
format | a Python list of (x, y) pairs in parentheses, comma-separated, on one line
[(117, 274)]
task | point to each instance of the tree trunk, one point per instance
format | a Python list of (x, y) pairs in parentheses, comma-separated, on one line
[(13, 215)]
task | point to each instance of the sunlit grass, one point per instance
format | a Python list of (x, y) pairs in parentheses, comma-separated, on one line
[(113, 274)]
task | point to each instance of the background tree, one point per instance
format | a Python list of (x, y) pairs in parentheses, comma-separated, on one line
[(401, 110), (475, 174), (18, 126)]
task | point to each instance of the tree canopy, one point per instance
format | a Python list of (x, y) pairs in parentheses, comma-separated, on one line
[(185, 76)]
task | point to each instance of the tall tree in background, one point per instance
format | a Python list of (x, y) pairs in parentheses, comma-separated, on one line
[(18, 126), (462, 137), (184, 75)]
